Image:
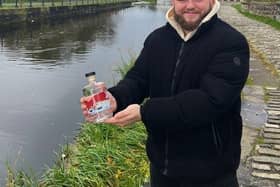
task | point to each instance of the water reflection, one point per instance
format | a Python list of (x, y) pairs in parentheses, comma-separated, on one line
[(56, 43)]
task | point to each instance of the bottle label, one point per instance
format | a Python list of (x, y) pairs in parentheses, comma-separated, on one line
[(101, 96), (89, 104), (98, 103)]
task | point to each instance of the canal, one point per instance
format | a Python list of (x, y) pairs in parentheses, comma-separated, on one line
[(42, 72)]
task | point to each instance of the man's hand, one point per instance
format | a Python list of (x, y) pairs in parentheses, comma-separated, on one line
[(127, 116), (113, 102), (91, 118), (84, 101)]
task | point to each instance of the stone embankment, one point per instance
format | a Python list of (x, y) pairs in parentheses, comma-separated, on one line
[(265, 162), (32, 15), (264, 8)]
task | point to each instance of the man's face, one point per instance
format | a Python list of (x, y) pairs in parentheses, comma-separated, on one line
[(189, 13)]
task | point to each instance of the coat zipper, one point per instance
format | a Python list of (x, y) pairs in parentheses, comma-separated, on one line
[(166, 154), (178, 60), (216, 137), (176, 65)]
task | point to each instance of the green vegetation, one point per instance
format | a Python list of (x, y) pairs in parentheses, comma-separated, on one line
[(271, 1), (266, 96), (272, 22), (259, 140), (123, 69), (250, 81), (151, 1), (20, 178), (102, 156)]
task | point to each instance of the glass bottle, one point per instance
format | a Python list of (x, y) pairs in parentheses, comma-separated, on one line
[(98, 102)]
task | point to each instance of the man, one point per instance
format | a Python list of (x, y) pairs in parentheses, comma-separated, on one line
[(192, 71)]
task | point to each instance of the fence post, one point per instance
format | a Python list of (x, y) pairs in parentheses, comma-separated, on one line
[(0, 3), (43, 3), (16, 4), (52, 2), (30, 3)]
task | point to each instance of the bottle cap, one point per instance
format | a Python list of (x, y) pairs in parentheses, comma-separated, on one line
[(90, 74)]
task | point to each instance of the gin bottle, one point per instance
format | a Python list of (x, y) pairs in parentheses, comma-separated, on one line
[(98, 102)]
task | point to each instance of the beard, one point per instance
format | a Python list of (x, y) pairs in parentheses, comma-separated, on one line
[(188, 26)]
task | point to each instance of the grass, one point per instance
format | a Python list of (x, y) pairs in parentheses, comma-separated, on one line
[(250, 81), (101, 156), (20, 178), (259, 140), (266, 98), (151, 1), (126, 65), (271, 1), (272, 22)]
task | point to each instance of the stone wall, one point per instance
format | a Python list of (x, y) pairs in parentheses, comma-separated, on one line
[(10, 17), (270, 9)]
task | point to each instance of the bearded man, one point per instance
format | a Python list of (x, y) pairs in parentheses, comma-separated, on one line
[(191, 71)]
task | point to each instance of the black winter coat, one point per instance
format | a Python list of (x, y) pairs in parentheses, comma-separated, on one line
[(192, 115)]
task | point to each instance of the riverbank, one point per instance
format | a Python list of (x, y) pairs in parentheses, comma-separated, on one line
[(102, 155), (50, 61)]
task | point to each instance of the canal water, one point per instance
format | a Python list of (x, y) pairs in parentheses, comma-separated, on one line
[(42, 72)]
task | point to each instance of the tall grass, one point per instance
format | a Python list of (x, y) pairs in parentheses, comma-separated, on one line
[(20, 178), (103, 156), (125, 66)]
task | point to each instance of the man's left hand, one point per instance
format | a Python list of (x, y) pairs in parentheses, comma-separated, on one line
[(127, 116)]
